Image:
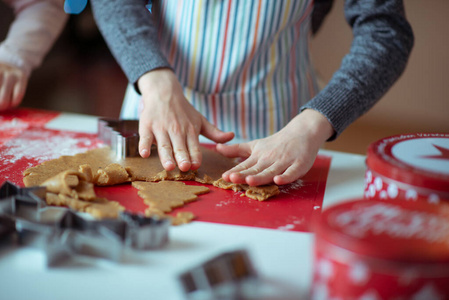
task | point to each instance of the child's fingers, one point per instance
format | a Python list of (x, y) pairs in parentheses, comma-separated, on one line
[(19, 91)]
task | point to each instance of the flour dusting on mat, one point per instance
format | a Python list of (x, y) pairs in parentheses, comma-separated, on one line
[(43, 144), (291, 186), (14, 124)]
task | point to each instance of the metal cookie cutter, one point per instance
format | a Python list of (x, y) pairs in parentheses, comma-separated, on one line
[(66, 233), (74, 235), (17, 202), (145, 232), (121, 135), (24, 210), (230, 275)]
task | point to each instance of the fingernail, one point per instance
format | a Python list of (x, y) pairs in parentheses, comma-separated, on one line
[(168, 164), (144, 153)]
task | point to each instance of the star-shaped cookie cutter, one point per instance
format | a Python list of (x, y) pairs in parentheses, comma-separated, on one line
[(121, 135), (64, 233), (230, 275)]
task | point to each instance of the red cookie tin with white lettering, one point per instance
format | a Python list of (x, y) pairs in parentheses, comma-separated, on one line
[(410, 167), (374, 249)]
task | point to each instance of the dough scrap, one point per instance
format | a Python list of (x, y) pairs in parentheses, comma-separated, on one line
[(99, 208), (71, 183), (260, 193), (111, 175), (71, 179)]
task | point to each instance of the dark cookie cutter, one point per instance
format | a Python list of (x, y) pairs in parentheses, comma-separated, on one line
[(229, 275), (23, 211), (121, 135)]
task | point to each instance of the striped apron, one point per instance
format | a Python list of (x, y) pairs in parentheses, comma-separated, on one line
[(243, 64)]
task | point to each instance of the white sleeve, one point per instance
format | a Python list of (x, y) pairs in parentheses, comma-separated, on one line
[(36, 26)]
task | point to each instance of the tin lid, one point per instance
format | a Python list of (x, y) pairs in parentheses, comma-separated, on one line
[(400, 230), (420, 159)]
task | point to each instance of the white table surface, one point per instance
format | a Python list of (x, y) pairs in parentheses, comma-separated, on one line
[(283, 259)]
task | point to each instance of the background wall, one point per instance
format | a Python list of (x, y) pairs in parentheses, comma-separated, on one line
[(419, 101), (80, 75)]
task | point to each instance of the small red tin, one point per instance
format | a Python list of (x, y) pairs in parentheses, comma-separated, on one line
[(374, 249), (410, 167)]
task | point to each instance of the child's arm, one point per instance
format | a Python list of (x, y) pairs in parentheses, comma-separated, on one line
[(381, 46), (35, 28)]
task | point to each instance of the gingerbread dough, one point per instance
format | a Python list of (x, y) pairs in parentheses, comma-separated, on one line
[(71, 188), (71, 180)]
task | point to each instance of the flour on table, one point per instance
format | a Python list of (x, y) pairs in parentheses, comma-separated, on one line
[(287, 188), (44, 145)]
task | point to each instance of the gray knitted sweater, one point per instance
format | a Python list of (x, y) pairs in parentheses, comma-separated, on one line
[(382, 42)]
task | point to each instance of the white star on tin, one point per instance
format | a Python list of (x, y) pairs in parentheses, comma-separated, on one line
[(372, 190), (325, 269), (378, 183), (428, 292), (383, 195), (359, 273), (320, 292), (434, 199), (370, 295), (392, 191), (411, 195), (369, 177)]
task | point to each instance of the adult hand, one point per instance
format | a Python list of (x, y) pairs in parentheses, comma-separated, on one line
[(170, 121), (13, 82), (283, 157)]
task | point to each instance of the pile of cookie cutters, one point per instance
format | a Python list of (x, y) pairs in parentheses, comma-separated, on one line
[(63, 233), (121, 135)]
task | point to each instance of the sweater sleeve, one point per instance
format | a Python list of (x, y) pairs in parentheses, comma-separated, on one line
[(131, 35), (382, 42), (36, 26)]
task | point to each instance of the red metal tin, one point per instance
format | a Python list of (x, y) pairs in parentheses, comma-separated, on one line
[(410, 167), (373, 249)]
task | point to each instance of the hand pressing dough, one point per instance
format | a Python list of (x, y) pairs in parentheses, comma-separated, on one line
[(101, 167)]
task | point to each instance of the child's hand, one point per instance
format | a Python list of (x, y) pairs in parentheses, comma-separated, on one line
[(283, 157), (170, 121), (13, 82)]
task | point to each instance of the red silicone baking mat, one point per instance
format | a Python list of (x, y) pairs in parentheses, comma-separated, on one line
[(291, 210)]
